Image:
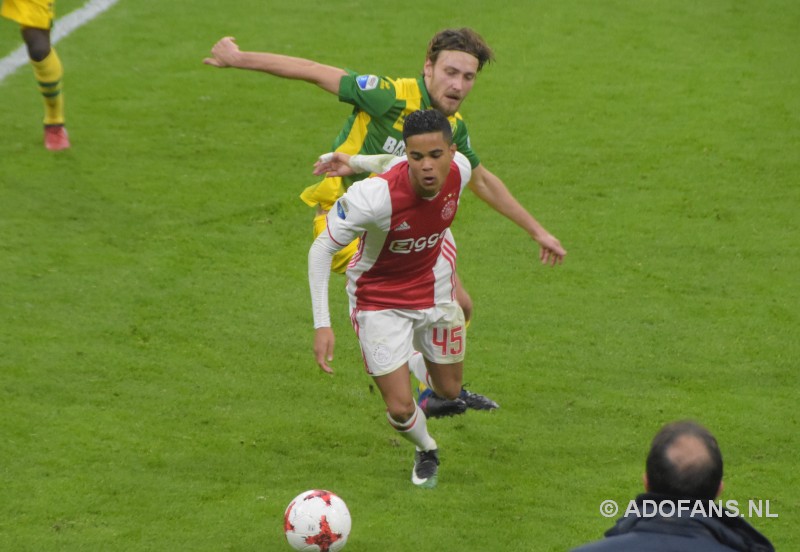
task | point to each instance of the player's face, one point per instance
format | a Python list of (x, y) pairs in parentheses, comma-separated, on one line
[(450, 79), (429, 157)]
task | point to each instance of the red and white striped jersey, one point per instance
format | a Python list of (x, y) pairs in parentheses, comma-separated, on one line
[(407, 256)]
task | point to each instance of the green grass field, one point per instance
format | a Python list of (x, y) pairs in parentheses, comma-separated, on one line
[(157, 387)]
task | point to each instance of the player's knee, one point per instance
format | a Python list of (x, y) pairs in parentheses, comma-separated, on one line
[(449, 390), (452, 393), (402, 412), (37, 42), (38, 52)]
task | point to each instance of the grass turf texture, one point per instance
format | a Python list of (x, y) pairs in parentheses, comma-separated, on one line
[(158, 390)]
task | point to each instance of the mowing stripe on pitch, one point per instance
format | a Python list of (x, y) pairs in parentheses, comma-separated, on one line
[(64, 26)]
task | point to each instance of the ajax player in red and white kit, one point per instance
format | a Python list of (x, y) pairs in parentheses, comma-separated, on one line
[(401, 282)]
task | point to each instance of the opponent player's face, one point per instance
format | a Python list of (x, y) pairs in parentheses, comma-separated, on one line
[(429, 157), (450, 79)]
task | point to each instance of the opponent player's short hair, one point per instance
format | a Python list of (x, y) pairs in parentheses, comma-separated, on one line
[(425, 121), (460, 40), (695, 476)]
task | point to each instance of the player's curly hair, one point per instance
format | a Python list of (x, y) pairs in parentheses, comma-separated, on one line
[(426, 121), (460, 40)]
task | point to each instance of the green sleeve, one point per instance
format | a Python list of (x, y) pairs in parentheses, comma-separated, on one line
[(371, 93), (461, 139)]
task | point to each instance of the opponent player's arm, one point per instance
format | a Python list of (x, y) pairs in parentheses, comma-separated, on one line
[(493, 191), (226, 53), (341, 164)]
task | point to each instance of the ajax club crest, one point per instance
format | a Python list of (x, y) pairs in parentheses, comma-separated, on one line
[(449, 209)]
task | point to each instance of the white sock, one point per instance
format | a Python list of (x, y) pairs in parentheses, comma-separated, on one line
[(416, 364), (414, 430)]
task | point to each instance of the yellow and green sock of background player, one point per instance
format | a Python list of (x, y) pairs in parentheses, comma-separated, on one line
[(49, 73)]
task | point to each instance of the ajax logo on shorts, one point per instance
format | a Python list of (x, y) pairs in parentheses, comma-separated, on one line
[(381, 354)]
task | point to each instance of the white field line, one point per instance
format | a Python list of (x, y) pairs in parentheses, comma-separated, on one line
[(63, 27)]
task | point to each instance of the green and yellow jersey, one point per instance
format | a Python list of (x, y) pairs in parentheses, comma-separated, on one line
[(381, 105)]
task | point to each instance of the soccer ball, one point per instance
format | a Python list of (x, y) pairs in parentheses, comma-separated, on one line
[(317, 520)]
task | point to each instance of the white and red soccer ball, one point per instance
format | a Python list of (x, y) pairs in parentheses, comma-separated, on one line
[(317, 521)]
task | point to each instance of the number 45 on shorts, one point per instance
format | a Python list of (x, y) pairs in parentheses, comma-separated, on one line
[(449, 341)]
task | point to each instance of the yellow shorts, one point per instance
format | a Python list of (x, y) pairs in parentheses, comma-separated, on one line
[(38, 14), (324, 193), (342, 258)]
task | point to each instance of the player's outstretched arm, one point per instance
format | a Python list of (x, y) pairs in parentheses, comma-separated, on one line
[(491, 189), (341, 164), (333, 164), (226, 53)]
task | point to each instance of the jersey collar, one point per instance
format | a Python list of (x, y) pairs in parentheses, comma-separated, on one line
[(426, 99)]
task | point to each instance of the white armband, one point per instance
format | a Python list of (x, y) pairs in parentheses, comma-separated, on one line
[(371, 163)]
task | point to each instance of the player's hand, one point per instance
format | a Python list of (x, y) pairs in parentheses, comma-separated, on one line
[(550, 250), (333, 164), (323, 348), (224, 53)]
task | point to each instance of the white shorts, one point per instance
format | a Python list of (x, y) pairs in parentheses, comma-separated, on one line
[(388, 338)]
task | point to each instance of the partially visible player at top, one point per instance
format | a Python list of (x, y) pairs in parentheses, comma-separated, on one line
[(35, 18), (401, 282), (453, 61)]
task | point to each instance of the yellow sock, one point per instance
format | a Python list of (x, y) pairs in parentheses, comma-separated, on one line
[(48, 73)]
